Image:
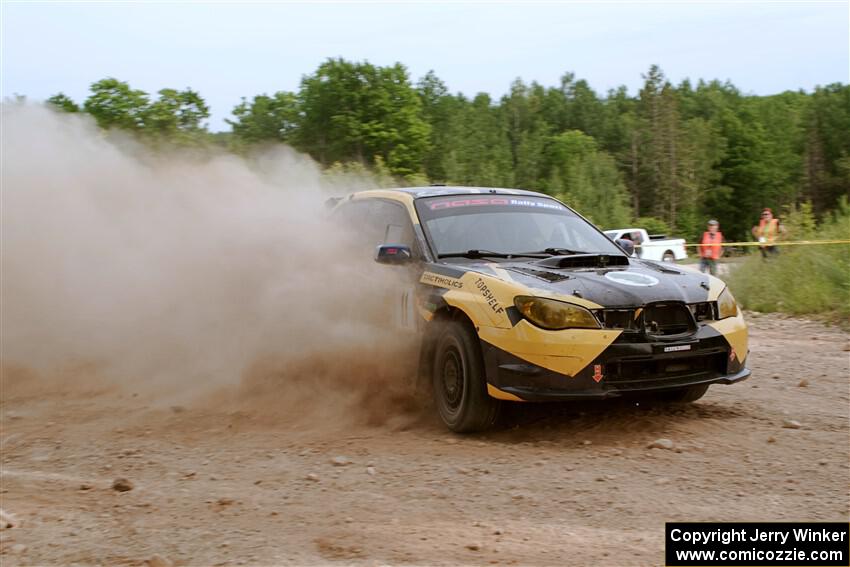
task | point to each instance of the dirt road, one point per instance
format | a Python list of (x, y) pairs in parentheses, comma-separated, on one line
[(218, 483)]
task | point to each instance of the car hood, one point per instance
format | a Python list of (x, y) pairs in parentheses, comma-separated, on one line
[(633, 285)]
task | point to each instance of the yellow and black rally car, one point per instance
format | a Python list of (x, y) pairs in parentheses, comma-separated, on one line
[(518, 298)]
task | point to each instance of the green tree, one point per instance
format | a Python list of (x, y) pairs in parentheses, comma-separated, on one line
[(61, 101), (586, 178), (827, 147), (480, 152), (440, 110), (357, 111), (652, 225), (175, 117), (176, 112), (266, 118), (113, 104), (527, 130), (661, 146), (584, 109), (747, 173)]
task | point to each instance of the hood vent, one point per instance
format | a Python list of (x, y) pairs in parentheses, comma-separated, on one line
[(661, 268), (583, 261), (550, 277)]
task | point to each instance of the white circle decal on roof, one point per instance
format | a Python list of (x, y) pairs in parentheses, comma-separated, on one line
[(632, 278)]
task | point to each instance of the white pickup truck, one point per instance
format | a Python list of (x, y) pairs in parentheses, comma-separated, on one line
[(651, 246)]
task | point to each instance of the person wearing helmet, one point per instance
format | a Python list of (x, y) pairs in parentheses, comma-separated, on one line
[(710, 248)]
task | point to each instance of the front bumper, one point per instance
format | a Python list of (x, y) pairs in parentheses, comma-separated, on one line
[(629, 365)]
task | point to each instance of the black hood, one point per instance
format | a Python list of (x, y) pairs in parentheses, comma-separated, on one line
[(632, 285)]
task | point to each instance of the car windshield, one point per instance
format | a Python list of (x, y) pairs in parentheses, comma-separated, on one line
[(507, 224)]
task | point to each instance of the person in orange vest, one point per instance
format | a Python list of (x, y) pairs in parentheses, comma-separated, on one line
[(710, 248), (767, 230)]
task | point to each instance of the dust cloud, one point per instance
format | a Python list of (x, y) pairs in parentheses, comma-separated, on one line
[(173, 274)]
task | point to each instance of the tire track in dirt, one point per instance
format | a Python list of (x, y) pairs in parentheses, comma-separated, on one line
[(217, 483)]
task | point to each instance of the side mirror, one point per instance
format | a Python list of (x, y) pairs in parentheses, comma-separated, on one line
[(627, 245), (393, 254)]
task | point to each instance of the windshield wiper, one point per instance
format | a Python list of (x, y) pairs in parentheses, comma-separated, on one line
[(491, 254), (558, 252)]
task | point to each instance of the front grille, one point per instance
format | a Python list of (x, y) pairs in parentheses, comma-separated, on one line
[(657, 320), (624, 319), (669, 371), (668, 320)]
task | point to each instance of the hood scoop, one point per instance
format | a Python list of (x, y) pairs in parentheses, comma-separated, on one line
[(583, 261), (550, 277)]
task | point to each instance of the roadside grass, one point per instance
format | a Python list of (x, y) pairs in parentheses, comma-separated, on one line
[(801, 279)]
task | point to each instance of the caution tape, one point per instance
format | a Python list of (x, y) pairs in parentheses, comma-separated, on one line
[(779, 243)]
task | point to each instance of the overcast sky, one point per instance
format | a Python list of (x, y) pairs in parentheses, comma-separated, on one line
[(230, 50)]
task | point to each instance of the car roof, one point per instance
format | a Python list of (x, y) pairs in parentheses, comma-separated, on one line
[(444, 190)]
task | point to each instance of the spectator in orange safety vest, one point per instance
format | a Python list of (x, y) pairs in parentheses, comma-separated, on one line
[(767, 230), (710, 249)]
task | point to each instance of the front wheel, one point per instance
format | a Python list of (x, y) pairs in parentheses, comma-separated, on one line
[(684, 395), (459, 383)]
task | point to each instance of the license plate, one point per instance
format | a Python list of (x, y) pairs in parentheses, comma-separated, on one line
[(677, 348)]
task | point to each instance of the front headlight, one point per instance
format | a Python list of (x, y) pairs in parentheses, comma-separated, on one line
[(726, 306), (554, 315)]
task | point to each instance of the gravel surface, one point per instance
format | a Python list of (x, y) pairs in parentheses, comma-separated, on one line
[(97, 475)]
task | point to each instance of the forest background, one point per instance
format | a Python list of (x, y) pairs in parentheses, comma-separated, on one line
[(668, 158)]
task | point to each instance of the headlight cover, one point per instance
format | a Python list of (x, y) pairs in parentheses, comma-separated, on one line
[(726, 306), (555, 315)]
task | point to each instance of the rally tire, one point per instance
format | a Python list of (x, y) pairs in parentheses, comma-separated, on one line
[(685, 395), (459, 383)]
